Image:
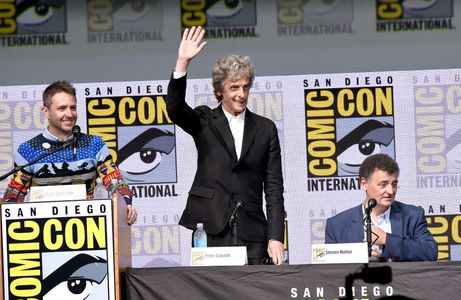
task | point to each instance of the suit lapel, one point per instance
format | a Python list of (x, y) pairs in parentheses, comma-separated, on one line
[(222, 130), (249, 133), (396, 219), (357, 230)]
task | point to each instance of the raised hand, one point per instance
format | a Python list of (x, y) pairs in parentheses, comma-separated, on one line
[(191, 45)]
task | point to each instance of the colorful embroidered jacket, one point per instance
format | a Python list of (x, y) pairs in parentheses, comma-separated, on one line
[(90, 160)]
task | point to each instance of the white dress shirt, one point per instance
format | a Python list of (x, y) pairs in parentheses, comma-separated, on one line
[(177, 75), (236, 124), (384, 223)]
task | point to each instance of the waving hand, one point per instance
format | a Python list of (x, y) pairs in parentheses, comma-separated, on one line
[(191, 45)]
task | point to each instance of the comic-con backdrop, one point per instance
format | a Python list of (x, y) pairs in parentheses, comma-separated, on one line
[(328, 124), (117, 40)]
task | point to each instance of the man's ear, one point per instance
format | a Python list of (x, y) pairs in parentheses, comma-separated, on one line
[(363, 183), (46, 112)]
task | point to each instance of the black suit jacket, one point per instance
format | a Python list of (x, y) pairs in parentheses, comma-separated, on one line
[(221, 180)]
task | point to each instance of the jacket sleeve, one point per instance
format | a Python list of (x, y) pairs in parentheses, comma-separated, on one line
[(17, 187), (21, 180), (417, 245), (178, 110), (329, 233), (273, 189), (109, 172)]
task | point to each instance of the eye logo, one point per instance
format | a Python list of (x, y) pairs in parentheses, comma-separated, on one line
[(132, 11), (222, 18), (35, 15), (149, 156), (418, 4), (137, 15), (41, 16), (321, 6), (75, 279), (225, 8), (370, 137), (123, 15)]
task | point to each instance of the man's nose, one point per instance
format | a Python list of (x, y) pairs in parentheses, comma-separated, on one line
[(68, 112), (390, 189), (241, 92)]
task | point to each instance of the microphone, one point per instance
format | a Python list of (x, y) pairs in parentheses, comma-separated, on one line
[(234, 213), (370, 205), (233, 222), (76, 135)]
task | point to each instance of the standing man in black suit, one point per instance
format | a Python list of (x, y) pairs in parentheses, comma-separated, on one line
[(238, 157)]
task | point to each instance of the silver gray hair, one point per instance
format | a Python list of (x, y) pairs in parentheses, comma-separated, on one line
[(234, 66)]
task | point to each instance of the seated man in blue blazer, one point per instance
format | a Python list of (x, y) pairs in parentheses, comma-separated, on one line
[(399, 231)]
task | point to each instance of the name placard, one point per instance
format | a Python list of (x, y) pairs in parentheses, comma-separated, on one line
[(57, 192), (339, 253), (219, 256)]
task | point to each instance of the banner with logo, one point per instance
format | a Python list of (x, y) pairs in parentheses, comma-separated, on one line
[(27, 23), (222, 19), (410, 15), (124, 21), (327, 124), (299, 18), (54, 249)]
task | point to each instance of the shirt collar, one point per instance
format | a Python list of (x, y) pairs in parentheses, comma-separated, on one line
[(47, 134), (386, 215), (229, 117)]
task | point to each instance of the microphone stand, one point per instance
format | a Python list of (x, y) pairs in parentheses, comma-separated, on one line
[(370, 205), (233, 223), (368, 227)]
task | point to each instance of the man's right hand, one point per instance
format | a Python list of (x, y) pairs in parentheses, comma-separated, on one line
[(191, 45)]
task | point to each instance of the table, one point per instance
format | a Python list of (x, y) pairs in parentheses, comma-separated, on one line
[(415, 280)]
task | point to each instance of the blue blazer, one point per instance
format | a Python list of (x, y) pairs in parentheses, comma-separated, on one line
[(409, 241)]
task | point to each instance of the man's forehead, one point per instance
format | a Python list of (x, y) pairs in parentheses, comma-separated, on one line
[(57, 99), (237, 77), (383, 175)]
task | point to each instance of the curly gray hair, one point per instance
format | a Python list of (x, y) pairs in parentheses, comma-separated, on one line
[(234, 66)]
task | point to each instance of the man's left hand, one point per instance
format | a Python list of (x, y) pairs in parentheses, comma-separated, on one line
[(276, 252), (378, 236), (131, 215)]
